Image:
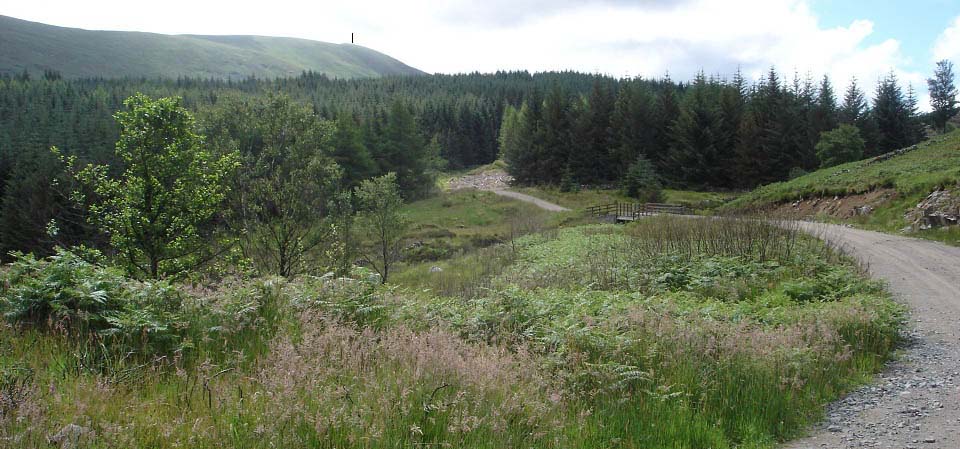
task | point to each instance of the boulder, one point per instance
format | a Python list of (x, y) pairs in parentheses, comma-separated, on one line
[(940, 208)]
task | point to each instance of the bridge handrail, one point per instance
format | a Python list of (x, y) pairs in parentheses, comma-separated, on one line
[(635, 210)]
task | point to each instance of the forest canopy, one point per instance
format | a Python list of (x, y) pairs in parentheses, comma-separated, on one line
[(550, 128)]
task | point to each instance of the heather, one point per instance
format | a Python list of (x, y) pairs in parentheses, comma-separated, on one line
[(671, 332)]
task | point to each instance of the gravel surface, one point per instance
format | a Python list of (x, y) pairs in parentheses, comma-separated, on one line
[(488, 180), (531, 199), (915, 402), (497, 181)]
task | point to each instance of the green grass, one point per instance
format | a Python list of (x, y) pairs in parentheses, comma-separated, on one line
[(935, 163), (666, 333), (682, 333), (912, 176), (81, 53), (451, 223), (592, 197), (698, 200)]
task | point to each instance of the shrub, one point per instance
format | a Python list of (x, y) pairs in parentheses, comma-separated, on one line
[(642, 182), (352, 299), (65, 292), (796, 172), (840, 145)]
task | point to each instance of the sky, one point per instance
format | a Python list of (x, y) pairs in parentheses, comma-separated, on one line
[(650, 38)]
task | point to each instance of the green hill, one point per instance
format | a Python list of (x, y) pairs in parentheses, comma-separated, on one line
[(74, 52), (890, 185)]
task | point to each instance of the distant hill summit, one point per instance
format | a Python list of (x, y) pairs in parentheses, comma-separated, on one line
[(76, 53)]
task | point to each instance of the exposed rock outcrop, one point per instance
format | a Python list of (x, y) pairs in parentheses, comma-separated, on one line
[(940, 208)]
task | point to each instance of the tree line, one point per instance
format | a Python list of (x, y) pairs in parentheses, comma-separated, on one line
[(710, 133), (410, 126), (318, 138)]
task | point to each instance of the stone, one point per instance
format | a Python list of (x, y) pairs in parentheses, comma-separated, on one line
[(940, 208), (71, 435)]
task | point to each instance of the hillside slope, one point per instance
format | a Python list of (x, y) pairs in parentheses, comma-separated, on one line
[(874, 193), (74, 52)]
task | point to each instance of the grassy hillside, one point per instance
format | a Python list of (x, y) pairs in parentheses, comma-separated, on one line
[(933, 163), (898, 183), (81, 53)]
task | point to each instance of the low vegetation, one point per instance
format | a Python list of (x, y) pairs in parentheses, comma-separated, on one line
[(582, 199), (910, 175), (670, 332), (930, 164), (275, 291)]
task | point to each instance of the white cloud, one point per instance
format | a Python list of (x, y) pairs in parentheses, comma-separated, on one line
[(618, 37), (947, 45)]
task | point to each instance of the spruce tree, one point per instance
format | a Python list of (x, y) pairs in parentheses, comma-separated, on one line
[(856, 111), (894, 115), (630, 121), (405, 152), (666, 111), (696, 135), (854, 105), (825, 113), (943, 95), (556, 128), (593, 138), (350, 153)]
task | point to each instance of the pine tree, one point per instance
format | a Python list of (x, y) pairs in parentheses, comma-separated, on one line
[(696, 135), (855, 111), (556, 127), (854, 105), (593, 138), (405, 153), (943, 95), (349, 152), (825, 113), (895, 115), (666, 112), (630, 121)]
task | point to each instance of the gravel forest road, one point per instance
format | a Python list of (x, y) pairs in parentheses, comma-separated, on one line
[(546, 205), (914, 403)]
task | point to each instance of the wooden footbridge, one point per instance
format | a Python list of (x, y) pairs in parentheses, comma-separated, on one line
[(624, 212)]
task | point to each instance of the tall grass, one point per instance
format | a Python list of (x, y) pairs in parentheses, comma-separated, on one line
[(670, 333)]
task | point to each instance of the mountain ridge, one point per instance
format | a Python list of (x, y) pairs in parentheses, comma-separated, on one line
[(79, 53)]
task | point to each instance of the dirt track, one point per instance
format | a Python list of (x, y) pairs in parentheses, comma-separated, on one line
[(498, 181), (916, 402), (531, 199)]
